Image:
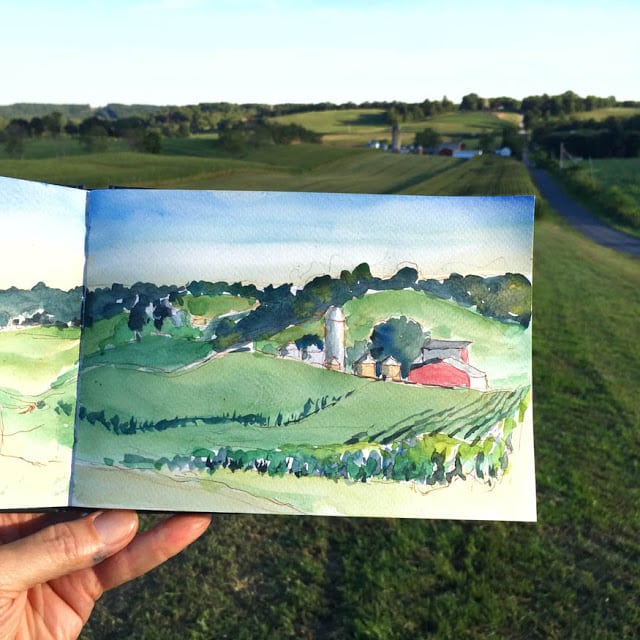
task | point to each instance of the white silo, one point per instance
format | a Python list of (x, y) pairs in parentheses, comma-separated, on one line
[(334, 339)]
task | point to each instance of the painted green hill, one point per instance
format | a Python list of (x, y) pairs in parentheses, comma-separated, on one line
[(316, 407), (268, 386), (498, 349)]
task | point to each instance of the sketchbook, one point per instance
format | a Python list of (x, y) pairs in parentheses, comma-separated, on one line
[(266, 352)]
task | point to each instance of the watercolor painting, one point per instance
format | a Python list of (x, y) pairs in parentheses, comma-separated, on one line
[(41, 276), (307, 353)]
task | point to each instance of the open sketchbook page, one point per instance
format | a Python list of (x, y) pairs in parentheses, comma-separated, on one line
[(307, 353), (42, 230)]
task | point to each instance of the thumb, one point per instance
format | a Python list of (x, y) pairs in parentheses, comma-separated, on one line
[(64, 548)]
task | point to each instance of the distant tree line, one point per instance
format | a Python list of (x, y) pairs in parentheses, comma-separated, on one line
[(40, 305), (398, 112), (613, 137), (260, 133), (145, 126), (238, 128), (536, 109)]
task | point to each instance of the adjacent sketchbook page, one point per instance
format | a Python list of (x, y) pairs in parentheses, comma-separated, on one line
[(42, 230), (307, 354)]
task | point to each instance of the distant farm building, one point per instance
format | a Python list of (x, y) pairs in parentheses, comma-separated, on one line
[(447, 148), (290, 351), (448, 372), (439, 363), (312, 354), (445, 363), (335, 355), (441, 349), (365, 367), (395, 137), (467, 154), (390, 369)]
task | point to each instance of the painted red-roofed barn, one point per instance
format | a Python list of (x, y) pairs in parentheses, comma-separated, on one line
[(448, 372)]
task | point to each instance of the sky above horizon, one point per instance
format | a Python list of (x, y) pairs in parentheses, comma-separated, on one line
[(173, 237), (275, 51), (43, 232)]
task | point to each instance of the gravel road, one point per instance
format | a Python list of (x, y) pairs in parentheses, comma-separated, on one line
[(581, 219)]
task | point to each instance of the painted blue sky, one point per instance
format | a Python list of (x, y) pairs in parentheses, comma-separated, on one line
[(171, 237), (42, 230), (188, 51)]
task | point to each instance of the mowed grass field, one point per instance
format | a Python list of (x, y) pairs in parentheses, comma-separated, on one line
[(607, 112), (609, 188), (358, 126), (572, 575)]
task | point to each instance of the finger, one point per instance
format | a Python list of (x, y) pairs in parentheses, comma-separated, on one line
[(64, 548), (151, 548), (20, 525)]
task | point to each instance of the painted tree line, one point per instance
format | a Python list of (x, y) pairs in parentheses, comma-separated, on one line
[(506, 298)]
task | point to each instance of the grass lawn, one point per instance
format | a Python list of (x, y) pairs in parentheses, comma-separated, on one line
[(572, 575)]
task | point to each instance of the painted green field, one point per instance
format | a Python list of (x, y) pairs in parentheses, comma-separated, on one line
[(356, 410), (43, 419), (38, 368), (31, 359), (252, 405), (210, 307)]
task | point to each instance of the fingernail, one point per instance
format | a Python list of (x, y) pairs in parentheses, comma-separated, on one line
[(114, 526)]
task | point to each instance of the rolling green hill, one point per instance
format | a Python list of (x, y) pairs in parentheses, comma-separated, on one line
[(358, 126)]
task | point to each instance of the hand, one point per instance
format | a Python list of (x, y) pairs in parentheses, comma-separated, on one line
[(53, 567)]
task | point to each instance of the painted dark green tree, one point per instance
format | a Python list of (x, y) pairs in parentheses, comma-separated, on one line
[(400, 338)]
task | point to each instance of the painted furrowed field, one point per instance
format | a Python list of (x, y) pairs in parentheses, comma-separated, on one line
[(350, 411)]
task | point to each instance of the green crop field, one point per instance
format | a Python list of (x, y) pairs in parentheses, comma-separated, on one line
[(357, 408), (572, 575), (610, 188), (358, 126), (622, 173), (339, 121), (608, 112), (465, 122)]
